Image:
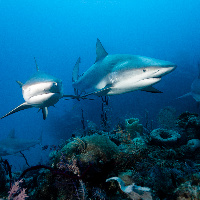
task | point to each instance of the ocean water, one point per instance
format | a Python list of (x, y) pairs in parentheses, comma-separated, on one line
[(57, 32)]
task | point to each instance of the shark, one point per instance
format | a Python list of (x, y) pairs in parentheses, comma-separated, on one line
[(195, 88), (13, 145), (119, 73), (41, 91)]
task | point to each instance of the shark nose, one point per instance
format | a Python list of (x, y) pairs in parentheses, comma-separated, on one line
[(171, 68)]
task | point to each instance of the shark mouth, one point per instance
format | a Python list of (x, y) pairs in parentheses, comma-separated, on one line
[(46, 94), (45, 99)]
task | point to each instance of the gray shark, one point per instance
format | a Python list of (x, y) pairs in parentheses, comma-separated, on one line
[(41, 91), (195, 88), (119, 73), (12, 145)]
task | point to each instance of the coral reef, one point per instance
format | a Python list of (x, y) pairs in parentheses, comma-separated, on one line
[(163, 164)]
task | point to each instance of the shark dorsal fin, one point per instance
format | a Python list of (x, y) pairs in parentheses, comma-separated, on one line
[(100, 51), (36, 64), (45, 112), (20, 83), (76, 70), (12, 133)]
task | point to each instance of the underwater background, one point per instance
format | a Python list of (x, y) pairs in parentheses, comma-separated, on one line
[(57, 32)]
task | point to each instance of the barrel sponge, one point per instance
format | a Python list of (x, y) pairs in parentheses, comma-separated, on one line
[(193, 144), (133, 127), (164, 136)]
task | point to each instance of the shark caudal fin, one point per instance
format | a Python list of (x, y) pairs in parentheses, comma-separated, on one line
[(23, 106), (100, 51)]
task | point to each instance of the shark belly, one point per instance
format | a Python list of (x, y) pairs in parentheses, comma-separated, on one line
[(131, 85)]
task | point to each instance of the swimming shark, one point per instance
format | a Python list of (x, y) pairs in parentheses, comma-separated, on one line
[(119, 73), (12, 145), (41, 91), (195, 88)]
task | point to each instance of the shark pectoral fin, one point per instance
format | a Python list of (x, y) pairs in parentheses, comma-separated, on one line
[(100, 51), (45, 112), (23, 106), (76, 70), (102, 92), (151, 89), (20, 83)]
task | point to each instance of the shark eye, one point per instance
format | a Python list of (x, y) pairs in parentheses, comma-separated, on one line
[(144, 70)]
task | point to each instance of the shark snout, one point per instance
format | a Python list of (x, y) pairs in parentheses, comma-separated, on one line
[(164, 70)]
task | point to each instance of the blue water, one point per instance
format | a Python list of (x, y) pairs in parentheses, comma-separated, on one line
[(57, 32)]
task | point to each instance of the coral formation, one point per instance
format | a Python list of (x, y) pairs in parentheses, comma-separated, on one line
[(164, 137), (189, 189)]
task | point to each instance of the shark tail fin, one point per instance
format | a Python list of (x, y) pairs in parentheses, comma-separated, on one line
[(45, 112), (20, 83), (76, 70), (100, 51)]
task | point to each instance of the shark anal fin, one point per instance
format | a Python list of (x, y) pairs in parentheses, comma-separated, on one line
[(76, 70), (151, 89), (45, 112), (20, 83), (23, 106), (100, 51)]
